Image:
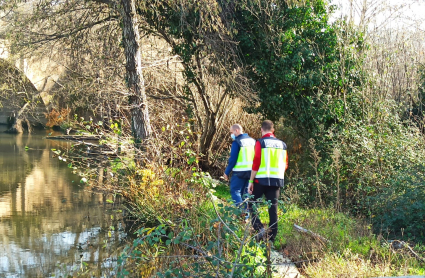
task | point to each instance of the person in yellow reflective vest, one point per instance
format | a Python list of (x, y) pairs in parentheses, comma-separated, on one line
[(240, 163), (267, 177)]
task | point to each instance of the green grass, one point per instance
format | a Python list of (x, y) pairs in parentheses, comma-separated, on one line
[(222, 191), (352, 249), (341, 230)]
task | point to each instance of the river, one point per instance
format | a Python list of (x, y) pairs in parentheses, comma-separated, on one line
[(52, 225)]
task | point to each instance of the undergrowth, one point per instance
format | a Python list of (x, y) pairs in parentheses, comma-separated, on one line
[(352, 250), (191, 229)]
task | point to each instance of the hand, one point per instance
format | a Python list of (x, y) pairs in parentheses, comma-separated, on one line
[(225, 177), (250, 187)]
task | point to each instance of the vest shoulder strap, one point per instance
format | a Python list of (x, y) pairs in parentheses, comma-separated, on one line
[(272, 142), (245, 141)]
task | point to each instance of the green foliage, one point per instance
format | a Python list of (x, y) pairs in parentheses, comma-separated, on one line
[(378, 174), (295, 59), (222, 246), (381, 169), (400, 207), (222, 191)]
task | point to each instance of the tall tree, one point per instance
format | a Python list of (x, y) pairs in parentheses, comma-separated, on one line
[(48, 26), (295, 59), (140, 122)]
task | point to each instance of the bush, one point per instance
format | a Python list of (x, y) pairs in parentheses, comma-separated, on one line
[(400, 207), (211, 241), (369, 166)]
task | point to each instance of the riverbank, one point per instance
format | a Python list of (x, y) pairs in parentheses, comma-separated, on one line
[(210, 237), (188, 227), (350, 248)]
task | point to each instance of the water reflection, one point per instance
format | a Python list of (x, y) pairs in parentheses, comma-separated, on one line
[(49, 223)]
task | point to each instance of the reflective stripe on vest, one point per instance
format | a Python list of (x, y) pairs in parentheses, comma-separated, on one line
[(273, 159), (246, 155)]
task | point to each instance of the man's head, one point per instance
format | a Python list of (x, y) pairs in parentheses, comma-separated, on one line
[(267, 127), (236, 130)]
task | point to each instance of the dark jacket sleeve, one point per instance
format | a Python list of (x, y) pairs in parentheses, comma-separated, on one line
[(234, 153)]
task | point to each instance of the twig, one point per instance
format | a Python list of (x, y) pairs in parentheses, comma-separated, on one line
[(410, 249), (75, 137), (221, 220), (305, 261), (162, 61), (242, 244), (218, 248), (310, 233)]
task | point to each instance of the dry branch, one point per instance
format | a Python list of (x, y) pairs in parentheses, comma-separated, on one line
[(17, 126), (404, 244), (75, 137), (310, 233)]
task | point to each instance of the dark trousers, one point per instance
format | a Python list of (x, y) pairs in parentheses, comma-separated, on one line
[(272, 194)]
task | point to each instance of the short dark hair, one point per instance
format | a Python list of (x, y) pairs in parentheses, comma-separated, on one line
[(267, 125)]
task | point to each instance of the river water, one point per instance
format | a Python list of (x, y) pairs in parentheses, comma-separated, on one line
[(51, 225)]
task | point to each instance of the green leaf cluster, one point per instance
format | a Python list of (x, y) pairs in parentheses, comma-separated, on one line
[(297, 61)]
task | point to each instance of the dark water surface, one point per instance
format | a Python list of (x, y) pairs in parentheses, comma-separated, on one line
[(51, 225)]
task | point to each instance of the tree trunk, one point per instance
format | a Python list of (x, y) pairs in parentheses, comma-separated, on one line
[(140, 123), (205, 144), (17, 125)]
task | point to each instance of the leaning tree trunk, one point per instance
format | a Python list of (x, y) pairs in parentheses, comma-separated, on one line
[(140, 123), (19, 118)]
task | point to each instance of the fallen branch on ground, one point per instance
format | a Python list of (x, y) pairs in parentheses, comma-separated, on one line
[(405, 244), (310, 233), (75, 137)]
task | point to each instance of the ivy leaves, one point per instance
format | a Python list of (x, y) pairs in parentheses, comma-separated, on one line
[(293, 55)]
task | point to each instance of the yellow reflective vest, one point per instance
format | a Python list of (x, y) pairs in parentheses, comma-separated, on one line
[(246, 154), (273, 162)]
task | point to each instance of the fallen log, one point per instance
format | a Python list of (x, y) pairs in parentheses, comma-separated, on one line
[(394, 244), (93, 149), (310, 233), (75, 137)]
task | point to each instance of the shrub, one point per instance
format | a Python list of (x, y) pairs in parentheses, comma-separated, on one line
[(212, 241), (400, 207), (369, 166), (57, 118)]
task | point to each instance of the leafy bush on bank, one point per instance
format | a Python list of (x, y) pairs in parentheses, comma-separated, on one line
[(201, 243), (370, 166)]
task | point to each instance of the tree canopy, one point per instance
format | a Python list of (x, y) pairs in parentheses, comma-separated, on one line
[(294, 56)]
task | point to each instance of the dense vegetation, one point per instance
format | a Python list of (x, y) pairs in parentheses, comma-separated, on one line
[(348, 100)]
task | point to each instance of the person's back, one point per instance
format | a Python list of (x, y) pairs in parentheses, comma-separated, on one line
[(240, 163), (267, 176), (243, 164), (273, 162)]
